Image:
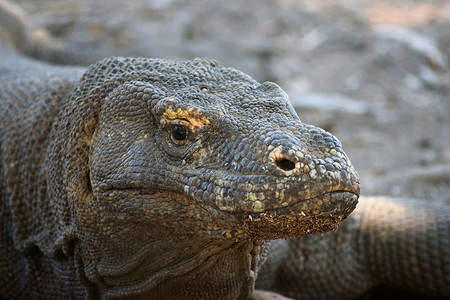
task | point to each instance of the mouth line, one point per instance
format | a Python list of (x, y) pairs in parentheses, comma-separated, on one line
[(282, 201), (325, 202), (300, 216)]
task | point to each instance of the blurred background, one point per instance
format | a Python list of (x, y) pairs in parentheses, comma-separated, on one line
[(374, 73)]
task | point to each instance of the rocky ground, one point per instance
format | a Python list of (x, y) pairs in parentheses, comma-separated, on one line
[(374, 73)]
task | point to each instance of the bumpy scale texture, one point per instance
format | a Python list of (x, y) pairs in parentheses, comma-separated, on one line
[(158, 179)]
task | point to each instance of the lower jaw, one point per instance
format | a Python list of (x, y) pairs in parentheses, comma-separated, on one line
[(317, 215)]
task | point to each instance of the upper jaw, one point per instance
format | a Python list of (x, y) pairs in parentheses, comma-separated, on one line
[(250, 194)]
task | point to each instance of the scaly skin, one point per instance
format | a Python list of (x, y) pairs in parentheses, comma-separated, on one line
[(155, 178), (65, 233)]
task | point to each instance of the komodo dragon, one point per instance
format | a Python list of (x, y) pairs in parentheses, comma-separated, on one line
[(159, 179), (163, 178)]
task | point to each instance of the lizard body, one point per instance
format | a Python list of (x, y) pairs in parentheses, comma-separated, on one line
[(163, 179), (156, 178), (118, 199)]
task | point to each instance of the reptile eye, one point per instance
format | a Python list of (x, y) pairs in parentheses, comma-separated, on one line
[(179, 133)]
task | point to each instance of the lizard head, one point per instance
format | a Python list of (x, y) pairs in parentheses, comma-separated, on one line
[(214, 141), (157, 149)]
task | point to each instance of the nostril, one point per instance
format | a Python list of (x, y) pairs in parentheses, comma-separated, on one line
[(285, 164)]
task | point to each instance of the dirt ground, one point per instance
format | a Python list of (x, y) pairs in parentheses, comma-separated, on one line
[(374, 73)]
